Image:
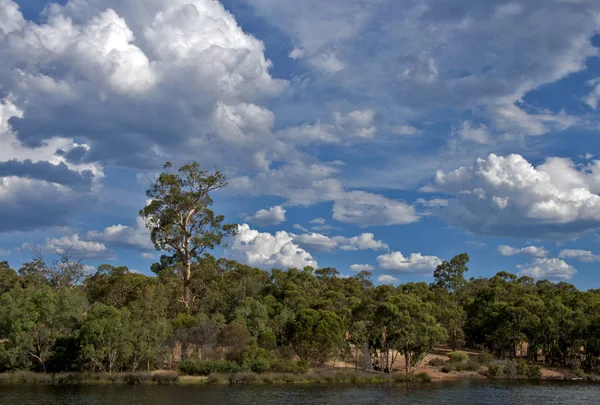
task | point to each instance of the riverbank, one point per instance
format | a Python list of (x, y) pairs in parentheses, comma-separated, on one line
[(169, 377)]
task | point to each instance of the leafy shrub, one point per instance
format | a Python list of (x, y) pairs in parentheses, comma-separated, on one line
[(136, 378), (472, 365), (256, 359), (534, 372), (458, 356), (199, 367), (437, 362), (290, 366), (578, 372), (495, 370)]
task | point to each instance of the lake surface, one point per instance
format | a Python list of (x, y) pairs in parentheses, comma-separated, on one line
[(464, 392)]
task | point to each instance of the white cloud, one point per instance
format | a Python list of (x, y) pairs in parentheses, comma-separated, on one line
[(580, 255), (266, 250), (547, 268), (74, 245), (147, 255), (316, 241), (478, 134), (131, 237), (387, 279), (317, 221), (594, 96), (358, 123), (300, 228), (272, 216), (363, 241), (405, 130), (509, 196), (366, 209), (535, 251), (357, 268), (5, 252), (415, 263)]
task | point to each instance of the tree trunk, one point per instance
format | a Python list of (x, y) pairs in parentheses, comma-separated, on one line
[(187, 290)]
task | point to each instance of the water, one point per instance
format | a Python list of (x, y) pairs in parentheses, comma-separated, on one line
[(464, 392)]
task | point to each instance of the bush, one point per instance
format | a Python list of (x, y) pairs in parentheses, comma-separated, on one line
[(534, 372), (472, 365), (243, 378), (495, 370), (578, 372), (510, 369), (448, 368), (199, 367), (256, 359), (437, 362), (458, 356), (522, 368), (165, 378)]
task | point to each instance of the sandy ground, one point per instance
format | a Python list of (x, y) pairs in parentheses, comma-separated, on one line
[(437, 374)]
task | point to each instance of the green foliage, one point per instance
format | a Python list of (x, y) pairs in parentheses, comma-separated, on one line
[(458, 356), (290, 366), (257, 359), (316, 335), (199, 367), (267, 340)]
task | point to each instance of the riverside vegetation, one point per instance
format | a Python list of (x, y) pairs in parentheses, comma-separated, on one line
[(227, 322)]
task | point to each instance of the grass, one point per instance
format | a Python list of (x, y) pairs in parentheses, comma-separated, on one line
[(329, 377)]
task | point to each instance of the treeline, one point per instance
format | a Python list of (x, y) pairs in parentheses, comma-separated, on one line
[(219, 315), (244, 318)]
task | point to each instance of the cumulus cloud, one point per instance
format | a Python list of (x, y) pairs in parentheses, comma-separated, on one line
[(580, 255), (358, 123), (509, 196), (475, 72), (357, 268), (387, 279), (548, 268), (131, 237), (74, 245), (266, 250), (316, 241), (272, 216), (535, 251), (366, 209), (415, 263)]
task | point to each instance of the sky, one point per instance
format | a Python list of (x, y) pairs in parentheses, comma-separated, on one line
[(380, 135)]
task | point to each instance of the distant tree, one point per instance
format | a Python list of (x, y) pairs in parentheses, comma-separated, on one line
[(106, 337), (180, 219), (316, 335), (450, 275)]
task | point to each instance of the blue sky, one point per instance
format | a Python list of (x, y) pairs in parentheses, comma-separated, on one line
[(382, 135)]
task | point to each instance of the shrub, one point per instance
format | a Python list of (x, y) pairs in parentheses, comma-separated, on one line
[(199, 367), (243, 378), (534, 372), (578, 372), (165, 378), (522, 368), (437, 362), (510, 369), (256, 359), (472, 365), (495, 370), (458, 356), (448, 368), (136, 378)]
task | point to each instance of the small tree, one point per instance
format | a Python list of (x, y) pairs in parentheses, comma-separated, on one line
[(180, 219), (450, 275)]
